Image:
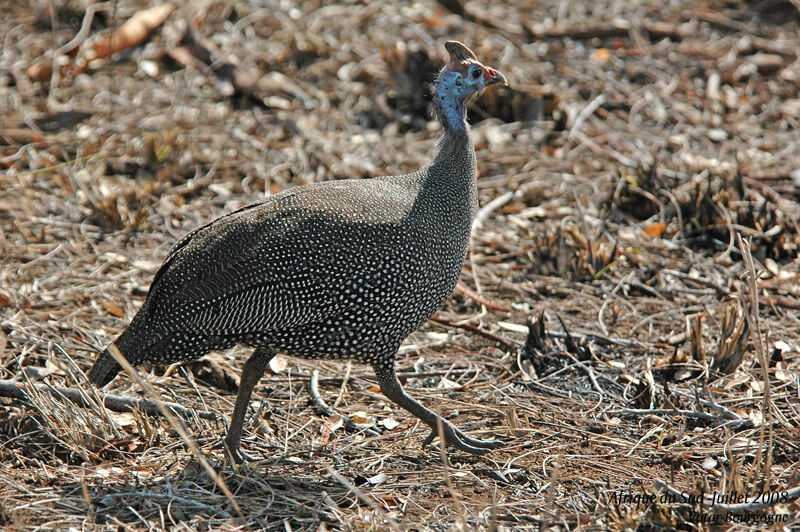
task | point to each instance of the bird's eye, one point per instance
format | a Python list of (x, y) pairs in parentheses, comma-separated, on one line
[(475, 72)]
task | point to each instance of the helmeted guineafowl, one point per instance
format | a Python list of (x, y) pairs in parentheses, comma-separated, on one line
[(340, 269)]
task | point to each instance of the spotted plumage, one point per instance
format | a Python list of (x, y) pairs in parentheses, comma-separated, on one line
[(340, 269)]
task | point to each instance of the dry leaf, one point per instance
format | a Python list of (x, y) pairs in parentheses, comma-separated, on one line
[(325, 435), (602, 55), (184, 56), (729, 383), (148, 266), (362, 418), (210, 371), (447, 383), (391, 501), (772, 267), (36, 373), (739, 444), (278, 364), (132, 32), (783, 346), (390, 423), (380, 478), (515, 327), (124, 419), (528, 371), (334, 422), (683, 374), (113, 309), (19, 135), (39, 71), (515, 427), (655, 230)]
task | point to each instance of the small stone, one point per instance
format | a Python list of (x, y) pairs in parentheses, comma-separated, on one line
[(717, 135), (149, 67)]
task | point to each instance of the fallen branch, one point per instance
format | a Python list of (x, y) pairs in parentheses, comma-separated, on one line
[(740, 423), (727, 413), (482, 300), (512, 348), (115, 403), (400, 375)]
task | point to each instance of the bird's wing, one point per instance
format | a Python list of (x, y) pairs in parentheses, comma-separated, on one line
[(180, 244), (272, 264)]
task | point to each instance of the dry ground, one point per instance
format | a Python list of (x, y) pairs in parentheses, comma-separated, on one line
[(638, 142)]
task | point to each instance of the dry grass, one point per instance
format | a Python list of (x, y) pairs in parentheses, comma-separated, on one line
[(639, 140)]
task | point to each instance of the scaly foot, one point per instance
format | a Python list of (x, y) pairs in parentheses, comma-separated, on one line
[(453, 436)]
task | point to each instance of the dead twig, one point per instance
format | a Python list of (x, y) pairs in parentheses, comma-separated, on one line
[(721, 290), (587, 111), (487, 209), (472, 328), (754, 322), (116, 403), (480, 299), (723, 411)]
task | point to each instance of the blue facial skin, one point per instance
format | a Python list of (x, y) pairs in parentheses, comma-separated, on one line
[(452, 90)]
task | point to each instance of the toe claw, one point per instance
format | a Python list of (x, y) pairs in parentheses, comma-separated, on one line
[(459, 440), (482, 444), (242, 456), (234, 454)]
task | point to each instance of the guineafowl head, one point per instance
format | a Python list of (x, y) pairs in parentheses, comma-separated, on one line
[(460, 78)]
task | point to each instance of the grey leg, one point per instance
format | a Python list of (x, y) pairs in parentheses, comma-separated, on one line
[(253, 370), (392, 389)]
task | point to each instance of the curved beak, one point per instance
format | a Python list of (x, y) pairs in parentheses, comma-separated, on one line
[(495, 77)]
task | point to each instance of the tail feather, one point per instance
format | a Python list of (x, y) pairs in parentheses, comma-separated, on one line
[(104, 370), (140, 349), (106, 367)]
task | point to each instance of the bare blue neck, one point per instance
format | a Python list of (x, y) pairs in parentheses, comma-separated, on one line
[(450, 106)]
